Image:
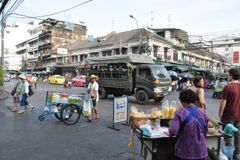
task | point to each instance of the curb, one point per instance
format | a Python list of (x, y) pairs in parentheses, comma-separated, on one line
[(4, 95)]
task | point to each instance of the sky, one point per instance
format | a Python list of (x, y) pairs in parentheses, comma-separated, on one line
[(197, 17)]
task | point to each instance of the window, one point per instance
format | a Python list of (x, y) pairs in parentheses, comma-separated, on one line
[(145, 73), (175, 56), (165, 53), (124, 51), (155, 50), (117, 52), (134, 50)]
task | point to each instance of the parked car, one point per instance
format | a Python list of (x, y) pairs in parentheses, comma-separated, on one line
[(56, 79), (79, 81), (7, 78)]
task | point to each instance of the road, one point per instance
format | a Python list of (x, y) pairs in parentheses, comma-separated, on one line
[(25, 137)]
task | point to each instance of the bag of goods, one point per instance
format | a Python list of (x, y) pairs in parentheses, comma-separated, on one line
[(172, 109), (156, 113), (165, 109), (87, 108), (137, 117)]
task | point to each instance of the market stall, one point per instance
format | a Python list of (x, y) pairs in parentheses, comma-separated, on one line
[(156, 144)]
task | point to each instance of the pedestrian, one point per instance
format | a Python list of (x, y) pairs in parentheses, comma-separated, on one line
[(25, 95), (229, 110), (93, 92), (189, 125), (198, 83), (16, 96)]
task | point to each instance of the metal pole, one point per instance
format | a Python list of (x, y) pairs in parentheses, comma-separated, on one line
[(2, 40), (140, 34), (212, 53)]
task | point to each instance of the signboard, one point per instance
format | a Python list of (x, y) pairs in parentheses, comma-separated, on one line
[(236, 57), (120, 109), (62, 51)]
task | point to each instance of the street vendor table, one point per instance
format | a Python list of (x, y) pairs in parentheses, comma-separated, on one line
[(162, 147)]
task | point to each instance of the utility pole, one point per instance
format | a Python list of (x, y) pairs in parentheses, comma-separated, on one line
[(212, 53), (140, 34), (2, 40)]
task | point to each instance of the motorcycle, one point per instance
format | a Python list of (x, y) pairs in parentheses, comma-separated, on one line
[(68, 84)]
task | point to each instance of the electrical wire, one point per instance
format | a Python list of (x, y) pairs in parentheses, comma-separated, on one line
[(51, 14)]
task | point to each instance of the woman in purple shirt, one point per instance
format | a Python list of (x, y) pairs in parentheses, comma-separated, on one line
[(190, 127)]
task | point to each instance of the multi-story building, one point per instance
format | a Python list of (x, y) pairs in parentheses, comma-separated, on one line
[(48, 37), (185, 52), (13, 34), (229, 47)]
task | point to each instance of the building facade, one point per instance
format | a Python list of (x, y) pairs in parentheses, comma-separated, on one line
[(14, 34), (49, 37)]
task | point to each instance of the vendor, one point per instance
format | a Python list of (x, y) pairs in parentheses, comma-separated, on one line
[(190, 127)]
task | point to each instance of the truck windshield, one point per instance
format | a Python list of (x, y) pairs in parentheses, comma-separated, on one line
[(159, 71)]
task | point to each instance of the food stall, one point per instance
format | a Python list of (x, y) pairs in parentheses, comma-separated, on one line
[(156, 144)]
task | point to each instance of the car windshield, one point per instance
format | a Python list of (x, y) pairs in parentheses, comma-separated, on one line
[(159, 71)]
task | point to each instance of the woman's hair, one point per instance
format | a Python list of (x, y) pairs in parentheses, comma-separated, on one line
[(187, 96), (196, 81)]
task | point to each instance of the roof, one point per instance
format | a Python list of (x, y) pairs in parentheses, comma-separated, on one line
[(132, 58), (166, 29), (117, 38)]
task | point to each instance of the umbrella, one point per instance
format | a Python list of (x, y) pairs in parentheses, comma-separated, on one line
[(186, 75), (173, 73)]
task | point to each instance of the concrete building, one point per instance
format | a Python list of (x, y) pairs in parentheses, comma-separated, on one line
[(49, 37), (14, 34), (185, 52), (229, 47)]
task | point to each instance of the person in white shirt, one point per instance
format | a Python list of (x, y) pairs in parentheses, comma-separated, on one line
[(93, 93)]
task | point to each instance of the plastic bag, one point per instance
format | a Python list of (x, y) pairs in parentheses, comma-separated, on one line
[(165, 109), (87, 108), (172, 109), (222, 156)]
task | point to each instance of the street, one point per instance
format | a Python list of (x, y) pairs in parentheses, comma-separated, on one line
[(25, 137)]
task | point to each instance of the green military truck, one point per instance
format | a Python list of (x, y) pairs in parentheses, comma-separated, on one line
[(130, 75)]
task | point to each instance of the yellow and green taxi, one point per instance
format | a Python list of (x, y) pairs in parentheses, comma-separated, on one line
[(56, 79)]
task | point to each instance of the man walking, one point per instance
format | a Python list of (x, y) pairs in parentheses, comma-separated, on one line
[(229, 111)]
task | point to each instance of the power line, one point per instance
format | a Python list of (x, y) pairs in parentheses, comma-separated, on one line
[(51, 14)]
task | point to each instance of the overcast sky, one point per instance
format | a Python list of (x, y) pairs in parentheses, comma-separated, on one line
[(103, 16)]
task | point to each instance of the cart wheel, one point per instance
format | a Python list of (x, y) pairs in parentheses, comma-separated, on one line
[(41, 118), (70, 114)]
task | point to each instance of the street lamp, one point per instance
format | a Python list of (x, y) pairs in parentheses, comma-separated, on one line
[(131, 16), (140, 34)]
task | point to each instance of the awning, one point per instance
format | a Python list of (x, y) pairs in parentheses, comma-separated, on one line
[(182, 68)]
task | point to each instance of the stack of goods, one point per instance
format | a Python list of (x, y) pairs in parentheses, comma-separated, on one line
[(156, 114), (53, 97), (213, 127), (74, 99), (169, 110), (137, 117)]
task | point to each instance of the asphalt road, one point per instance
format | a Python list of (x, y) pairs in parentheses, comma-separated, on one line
[(25, 137)]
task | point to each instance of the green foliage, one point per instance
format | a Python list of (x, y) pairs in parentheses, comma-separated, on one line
[(1, 76)]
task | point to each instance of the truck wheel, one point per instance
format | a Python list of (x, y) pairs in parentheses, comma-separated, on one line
[(142, 97), (159, 99), (102, 93)]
